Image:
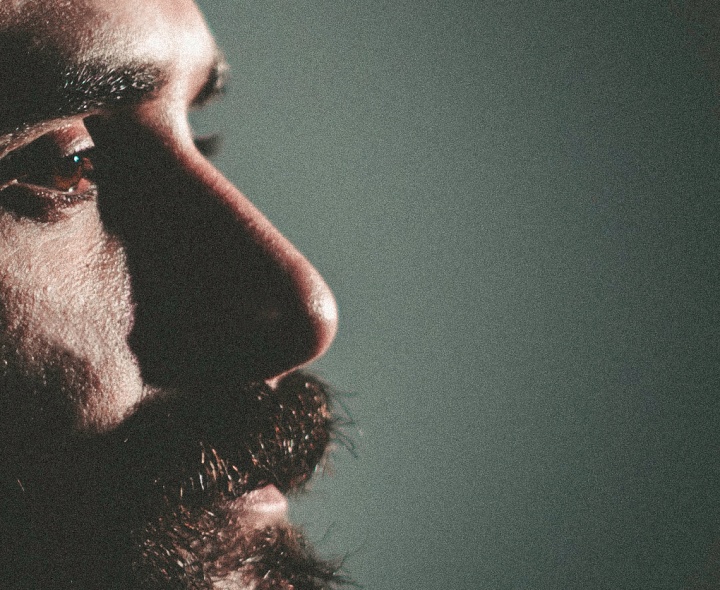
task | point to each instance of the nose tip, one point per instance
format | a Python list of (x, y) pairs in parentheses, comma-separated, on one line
[(296, 328), (293, 315), (323, 314), (220, 295)]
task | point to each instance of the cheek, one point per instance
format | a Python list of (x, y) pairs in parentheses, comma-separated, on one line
[(65, 314)]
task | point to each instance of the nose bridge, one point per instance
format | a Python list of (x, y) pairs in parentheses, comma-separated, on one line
[(220, 295), (302, 289)]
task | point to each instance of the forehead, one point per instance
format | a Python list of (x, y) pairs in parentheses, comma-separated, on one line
[(161, 30), (44, 41)]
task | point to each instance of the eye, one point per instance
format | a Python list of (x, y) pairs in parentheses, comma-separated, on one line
[(41, 164), (43, 180), (69, 173), (209, 145)]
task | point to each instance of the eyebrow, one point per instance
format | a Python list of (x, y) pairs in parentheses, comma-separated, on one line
[(93, 86), (39, 92), (45, 87)]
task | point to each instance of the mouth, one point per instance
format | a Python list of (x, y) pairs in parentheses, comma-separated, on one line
[(192, 484), (223, 476), (186, 446), (264, 507), (260, 442)]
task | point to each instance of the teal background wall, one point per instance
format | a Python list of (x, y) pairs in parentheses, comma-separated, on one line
[(516, 206)]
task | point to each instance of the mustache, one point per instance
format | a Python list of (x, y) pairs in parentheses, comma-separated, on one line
[(184, 446), (158, 486), (204, 453)]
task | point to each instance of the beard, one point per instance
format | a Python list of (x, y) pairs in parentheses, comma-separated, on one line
[(157, 503)]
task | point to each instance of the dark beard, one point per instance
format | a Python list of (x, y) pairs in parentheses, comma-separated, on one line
[(147, 506), (270, 558)]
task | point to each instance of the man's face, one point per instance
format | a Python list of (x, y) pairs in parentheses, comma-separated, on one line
[(150, 319)]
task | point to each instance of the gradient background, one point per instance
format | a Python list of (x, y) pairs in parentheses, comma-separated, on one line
[(515, 204)]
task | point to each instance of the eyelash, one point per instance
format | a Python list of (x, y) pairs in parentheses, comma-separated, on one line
[(37, 182), (209, 145), (40, 165)]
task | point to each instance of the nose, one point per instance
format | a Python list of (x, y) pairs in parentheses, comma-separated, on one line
[(221, 297)]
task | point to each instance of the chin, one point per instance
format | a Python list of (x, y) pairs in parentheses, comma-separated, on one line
[(188, 492)]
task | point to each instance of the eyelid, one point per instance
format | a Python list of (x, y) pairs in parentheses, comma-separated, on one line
[(209, 145), (44, 162), (72, 140)]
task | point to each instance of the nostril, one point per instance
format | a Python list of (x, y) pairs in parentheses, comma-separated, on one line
[(236, 331)]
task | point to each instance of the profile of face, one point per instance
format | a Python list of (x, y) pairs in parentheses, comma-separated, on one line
[(153, 324)]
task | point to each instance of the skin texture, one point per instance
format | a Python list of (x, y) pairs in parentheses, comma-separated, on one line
[(151, 320)]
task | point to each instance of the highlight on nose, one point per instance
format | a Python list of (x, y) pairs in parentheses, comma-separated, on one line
[(321, 311), (296, 327)]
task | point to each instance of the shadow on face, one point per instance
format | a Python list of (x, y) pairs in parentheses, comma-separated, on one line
[(147, 314)]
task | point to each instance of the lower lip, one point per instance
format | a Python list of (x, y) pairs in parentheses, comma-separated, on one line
[(264, 507)]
